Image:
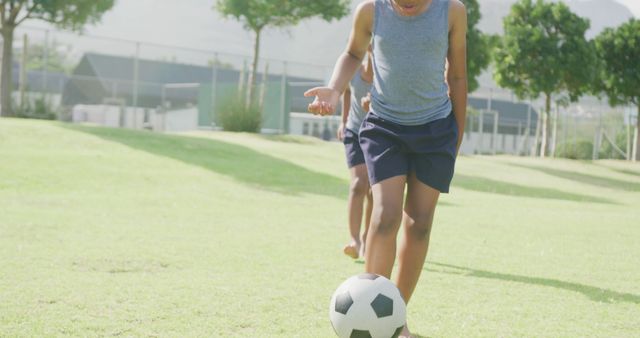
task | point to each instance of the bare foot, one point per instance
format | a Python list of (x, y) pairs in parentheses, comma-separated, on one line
[(405, 333), (352, 250)]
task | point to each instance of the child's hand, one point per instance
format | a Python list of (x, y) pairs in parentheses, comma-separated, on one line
[(325, 102), (340, 133), (365, 102)]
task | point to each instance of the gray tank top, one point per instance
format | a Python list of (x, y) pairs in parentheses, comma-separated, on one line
[(409, 54), (359, 89)]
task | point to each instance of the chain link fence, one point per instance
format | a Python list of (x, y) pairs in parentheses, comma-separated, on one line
[(122, 83)]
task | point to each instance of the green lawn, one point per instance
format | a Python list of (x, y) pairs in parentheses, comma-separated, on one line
[(107, 232)]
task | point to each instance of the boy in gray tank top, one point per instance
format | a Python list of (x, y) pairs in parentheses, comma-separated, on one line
[(411, 136), (353, 114)]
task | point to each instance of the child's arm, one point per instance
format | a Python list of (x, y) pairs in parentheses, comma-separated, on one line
[(327, 97), (457, 60), (346, 105)]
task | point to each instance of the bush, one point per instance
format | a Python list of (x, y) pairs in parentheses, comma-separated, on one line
[(38, 109), (235, 116), (579, 150)]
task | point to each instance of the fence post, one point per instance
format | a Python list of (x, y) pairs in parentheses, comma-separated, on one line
[(516, 140), (214, 81), (494, 137), (635, 144), (135, 85), (283, 97), (241, 81), (596, 137), (481, 129), (628, 150), (45, 58), (554, 131), (263, 88), (23, 72), (565, 128), (528, 129)]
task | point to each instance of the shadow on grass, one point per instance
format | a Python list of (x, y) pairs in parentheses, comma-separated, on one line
[(482, 184), (243, 164), (618, 170), (627, 172), (291, 139), (592, 292), (597, 181)]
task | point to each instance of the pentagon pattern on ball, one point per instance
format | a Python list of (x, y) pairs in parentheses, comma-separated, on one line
[(343, 302), (360, 334), (368, 276), (382, 305)]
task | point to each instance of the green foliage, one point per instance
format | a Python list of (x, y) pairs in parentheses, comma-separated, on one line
[(544, 50), (578, 150), (70, 14), (607, 151), (40, 109), (57, 59), (478, 45), (236, 116), (257, 14), (619, 52)]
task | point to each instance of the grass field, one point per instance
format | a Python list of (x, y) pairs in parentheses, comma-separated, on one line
[(107, 232)]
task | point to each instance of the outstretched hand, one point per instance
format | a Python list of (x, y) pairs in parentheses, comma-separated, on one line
[(365, 102), (325, 102)]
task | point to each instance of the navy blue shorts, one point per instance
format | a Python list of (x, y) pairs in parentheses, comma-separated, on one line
[(391, 149), (352, 148)]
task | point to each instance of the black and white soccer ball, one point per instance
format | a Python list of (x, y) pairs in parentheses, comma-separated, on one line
[(367, 305)]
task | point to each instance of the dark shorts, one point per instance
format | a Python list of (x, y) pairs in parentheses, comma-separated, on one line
[(391, 149), (352, 148)]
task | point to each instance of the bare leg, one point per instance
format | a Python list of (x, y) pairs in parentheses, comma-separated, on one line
[(357, 193), (417, 221), (385, 221), (367, 222)]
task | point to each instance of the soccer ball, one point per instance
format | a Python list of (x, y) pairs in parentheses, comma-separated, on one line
[(367, 305)]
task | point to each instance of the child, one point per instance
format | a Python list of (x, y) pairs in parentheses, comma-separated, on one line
[(352, 116), (414, 128)]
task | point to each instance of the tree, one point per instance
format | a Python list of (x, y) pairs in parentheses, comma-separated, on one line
[(57, 59), (479, 45), (256, 15), (544, 51), (72, 14), (619, 77)]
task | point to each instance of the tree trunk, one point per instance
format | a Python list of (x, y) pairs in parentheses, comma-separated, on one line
[(536, 143), (554, 131), (7, 70), (254, 70), (545, 122), (638, 132), (23, 73)]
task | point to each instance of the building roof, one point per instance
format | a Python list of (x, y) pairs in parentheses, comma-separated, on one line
[(99, 76)]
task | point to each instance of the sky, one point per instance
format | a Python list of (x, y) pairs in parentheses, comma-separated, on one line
[(633, 5), (195, 24)]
